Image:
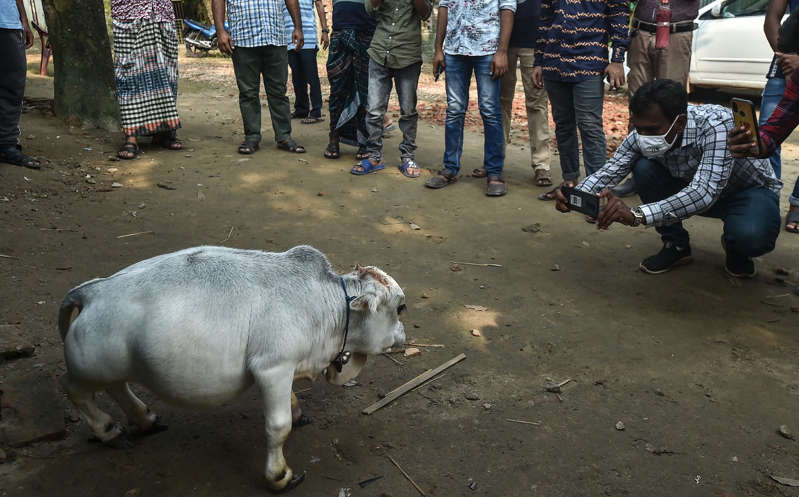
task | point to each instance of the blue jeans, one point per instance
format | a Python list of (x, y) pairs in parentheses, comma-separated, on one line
[(751, 217), (772, 93), (459, 77), (578, 105)]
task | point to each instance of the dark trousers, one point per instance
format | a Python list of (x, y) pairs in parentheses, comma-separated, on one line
[(381, 78), (13, 66), (305, 74), (271, 62), (751, 217)]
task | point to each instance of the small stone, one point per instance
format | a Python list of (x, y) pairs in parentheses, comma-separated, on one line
[(320, 194), (555, 267), (734, 459), (91, 181), (414, 226), (112, 170), (659, 392), (620, 426), (476, 333), (585, 244), (455, 268), (472, 396), (425, 296), (133, 492), (412, 352), (533, 228), (628, 246), (200, 196), (786, 432), (487, 406), (352, 383), (116, 185), (482, 287), (531, 403), (374, 190)]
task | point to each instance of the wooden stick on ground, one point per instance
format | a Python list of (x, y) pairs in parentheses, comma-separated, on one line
[(431, 345), (228, 235), (410, 385), (135, 234), (476, 264), (395, 361), (4, 256), (534, 423), (406, 475)]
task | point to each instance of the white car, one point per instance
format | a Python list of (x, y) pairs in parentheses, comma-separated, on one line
[(730, 49)]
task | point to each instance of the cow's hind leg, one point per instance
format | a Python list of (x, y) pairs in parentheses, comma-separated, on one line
[(100, 422), (137, 411), (297, 417), (275, 388)]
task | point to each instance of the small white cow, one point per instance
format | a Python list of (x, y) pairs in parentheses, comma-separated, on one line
[(199, 326)]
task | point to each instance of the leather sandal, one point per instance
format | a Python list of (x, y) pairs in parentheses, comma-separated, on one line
[(479, 172), (441, 179), (495, 186)]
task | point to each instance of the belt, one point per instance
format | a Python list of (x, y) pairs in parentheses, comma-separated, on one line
[(675, 27)]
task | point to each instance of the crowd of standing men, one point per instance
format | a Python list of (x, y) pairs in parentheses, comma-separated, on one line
[(677, 156)]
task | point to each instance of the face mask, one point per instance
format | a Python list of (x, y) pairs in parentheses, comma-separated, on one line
[(653, 146)]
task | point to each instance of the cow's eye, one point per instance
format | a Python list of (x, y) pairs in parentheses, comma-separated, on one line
[(401, 309)]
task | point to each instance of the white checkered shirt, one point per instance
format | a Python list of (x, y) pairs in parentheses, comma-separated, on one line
[(256, 23), (702, 160)]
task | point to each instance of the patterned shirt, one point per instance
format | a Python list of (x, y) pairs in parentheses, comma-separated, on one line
[(573, 37), (784, 118), (702, 161), (308, 24), (130, 10), (257, 23), (473, 25)]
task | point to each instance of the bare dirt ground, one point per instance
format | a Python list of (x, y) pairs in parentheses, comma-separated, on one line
[(701, 369)]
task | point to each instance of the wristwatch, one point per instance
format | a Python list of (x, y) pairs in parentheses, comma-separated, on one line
[(638, 216)]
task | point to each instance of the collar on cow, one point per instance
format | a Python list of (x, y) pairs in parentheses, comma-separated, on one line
[(343, 357)]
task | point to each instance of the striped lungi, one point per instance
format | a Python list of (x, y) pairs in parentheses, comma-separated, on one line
[(146, 70)]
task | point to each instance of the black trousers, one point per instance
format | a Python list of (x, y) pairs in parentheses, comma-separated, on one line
[(304, 74), (13, 67)]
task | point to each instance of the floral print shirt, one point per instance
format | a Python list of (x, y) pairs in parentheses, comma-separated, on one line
[(473, 25), (130, 10)]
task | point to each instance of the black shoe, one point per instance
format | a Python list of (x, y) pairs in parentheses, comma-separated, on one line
[(626, 189), (738, 266), (668, 257)]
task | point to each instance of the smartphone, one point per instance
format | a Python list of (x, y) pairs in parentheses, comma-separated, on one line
[(438, 72), (743, 115), (581, 201)]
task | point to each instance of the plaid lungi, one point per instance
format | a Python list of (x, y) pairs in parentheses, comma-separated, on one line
[(348, 73), (146, 70)]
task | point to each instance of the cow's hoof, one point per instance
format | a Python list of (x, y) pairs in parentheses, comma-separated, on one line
[(301, 421), (120, 442), (293, 483)]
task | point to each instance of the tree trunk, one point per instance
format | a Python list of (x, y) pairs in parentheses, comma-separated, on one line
[(84, 72)]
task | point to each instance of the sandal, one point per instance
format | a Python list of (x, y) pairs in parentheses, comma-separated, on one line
[(479, 172), (542, 178), (366, 167), (550, 195), (248, 147), (362, 154), (14, 156), (295, 115), (168, 140), (332, 151), (291, 146), (495, 186), (312, 120), (443, 178), (410, 164), (128, 151), (792, 217)]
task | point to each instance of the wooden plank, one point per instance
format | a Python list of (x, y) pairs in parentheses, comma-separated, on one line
[(410, 385)]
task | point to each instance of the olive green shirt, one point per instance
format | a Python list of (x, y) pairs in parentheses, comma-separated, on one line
[(397, 41)]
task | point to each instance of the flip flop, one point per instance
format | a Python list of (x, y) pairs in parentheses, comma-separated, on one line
[(312, 120), (412, 164), (543, 178), (15, 157), (368, 167), (248, 147), (290, 145), (547, 196), (130, 148), (792, 217), (332, 151)]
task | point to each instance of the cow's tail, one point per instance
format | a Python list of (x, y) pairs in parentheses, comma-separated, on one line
[(74, 299)]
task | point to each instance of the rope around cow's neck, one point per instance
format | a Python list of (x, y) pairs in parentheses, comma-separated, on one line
[(343, 357)]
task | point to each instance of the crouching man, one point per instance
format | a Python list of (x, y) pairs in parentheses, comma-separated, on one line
[(679, 156)]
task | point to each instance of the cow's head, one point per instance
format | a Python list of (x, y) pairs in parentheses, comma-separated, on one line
[(375, 325)]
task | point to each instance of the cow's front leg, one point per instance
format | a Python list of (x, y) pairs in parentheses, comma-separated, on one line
[(275, 388)]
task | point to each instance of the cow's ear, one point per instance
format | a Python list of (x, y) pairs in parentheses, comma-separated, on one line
[(365, 302)]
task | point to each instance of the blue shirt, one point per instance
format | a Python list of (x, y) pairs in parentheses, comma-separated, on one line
[(351, 14), (9, 15), (308, 24), (257, 23), (473, 26), (525, 24)]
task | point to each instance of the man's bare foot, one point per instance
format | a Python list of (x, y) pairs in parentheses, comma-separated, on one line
[(792, 219)]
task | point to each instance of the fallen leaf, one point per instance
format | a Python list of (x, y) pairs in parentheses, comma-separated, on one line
[(476, 307), (555, 267), (476, 333), (414, 226), (410, 352)]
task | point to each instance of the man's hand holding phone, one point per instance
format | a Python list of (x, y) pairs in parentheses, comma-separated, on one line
[(609, 207)]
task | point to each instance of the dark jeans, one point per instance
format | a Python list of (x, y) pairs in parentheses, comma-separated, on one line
[(13, 66), (380, 82), (751, 217), (578, 105), (305, 74), (249, 64), (459, 78)]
